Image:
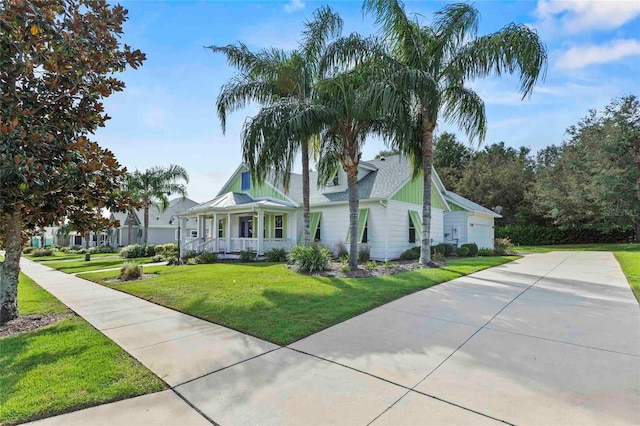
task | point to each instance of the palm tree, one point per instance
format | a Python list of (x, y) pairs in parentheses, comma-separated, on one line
[(286, 78), (152, 186), (62, 234), (438, 62)]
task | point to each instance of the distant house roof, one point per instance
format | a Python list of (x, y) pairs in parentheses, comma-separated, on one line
[(177, 205), (231, 200), (467, 204)]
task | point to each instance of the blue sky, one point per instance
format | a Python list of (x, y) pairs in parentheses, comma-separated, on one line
[(167, 112)]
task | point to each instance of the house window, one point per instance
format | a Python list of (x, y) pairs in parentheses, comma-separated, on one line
[(336, 180), (365, 234), (193, 233), (316, 237), (246, 181), (412, 231), (278, 226), (221, 228)]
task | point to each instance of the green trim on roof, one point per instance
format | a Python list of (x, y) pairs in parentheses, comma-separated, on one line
[(455, 208), (414, 217), (363, 214), (256, 191), (412, 193)]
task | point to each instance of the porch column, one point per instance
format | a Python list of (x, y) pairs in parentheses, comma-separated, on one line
[(202, 226), (214, 227), (260, 232), (228, 232), (183, 234)]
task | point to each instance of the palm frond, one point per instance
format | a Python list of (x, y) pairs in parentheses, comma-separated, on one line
[(465, 108)]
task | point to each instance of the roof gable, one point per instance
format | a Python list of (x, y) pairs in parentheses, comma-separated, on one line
[(264, 190)]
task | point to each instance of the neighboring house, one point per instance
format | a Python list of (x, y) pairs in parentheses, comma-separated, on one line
[(468, 222), (163, 226), (244, 216)]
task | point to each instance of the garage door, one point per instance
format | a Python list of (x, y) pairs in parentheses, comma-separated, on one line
[(481, 235)]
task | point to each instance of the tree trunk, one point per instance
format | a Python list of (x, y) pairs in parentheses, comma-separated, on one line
[(305, 193), (86, 240), (427, 160), (130, 227), (146, 223), (10, 269), (354, 205), (638, 232)]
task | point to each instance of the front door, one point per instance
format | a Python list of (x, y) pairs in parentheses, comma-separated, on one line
[(246, 227)]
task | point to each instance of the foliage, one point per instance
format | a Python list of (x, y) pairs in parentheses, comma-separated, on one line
[(28, 250), (158, 258), (206, 258), (438, 60), (450, 158), (130, 271), (411, 254), (576, 234), (439, 249), (310, 258), (291, 305), (388, 264), (344, 268), (276, 255), (173, 260), (248, 255), (58, 61), (168, 249), (448, 249), (189, 254), (463, 251), (136, 250), (371, 265), (342, 251), (364, 253), (485, 252), (42, 252), (387, 153), (438, 256), (101, 249), (344, 259), (473, 248), (503, 247)]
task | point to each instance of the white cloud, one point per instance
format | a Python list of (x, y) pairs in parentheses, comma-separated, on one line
[(581, 56), (586, 15), (155, 118), (294, 6)]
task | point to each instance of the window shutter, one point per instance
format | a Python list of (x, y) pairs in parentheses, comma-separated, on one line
[(417, 223), (363, 214)]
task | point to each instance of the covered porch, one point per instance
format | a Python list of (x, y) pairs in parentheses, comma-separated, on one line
[(236, 222)]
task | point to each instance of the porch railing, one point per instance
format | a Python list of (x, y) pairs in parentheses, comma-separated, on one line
[(219, 245), (242, 244), (190, 245)]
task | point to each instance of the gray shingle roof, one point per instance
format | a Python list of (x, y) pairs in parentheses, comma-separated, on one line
[(468, 204)]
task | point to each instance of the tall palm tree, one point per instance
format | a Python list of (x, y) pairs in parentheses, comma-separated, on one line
[(276, 76), (439, 59), (152, 186), (62, 234), (131, 193)]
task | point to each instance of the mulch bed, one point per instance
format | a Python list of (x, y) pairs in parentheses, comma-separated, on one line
[(31, 322), (143, 277), (398, 266)]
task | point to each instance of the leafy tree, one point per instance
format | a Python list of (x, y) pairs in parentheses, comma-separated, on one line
[(152, 186), (284, 81), (387, 153), (438, 61), (57, 63), (596, 179), (450, 158), (499, 176)]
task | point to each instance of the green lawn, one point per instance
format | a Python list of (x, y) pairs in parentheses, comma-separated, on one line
[(63, 367), (628, 256), (58, 255), (93, 265), (271, 302)]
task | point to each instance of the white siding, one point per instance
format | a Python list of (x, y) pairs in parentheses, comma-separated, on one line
[(455, 224), (397, 226), (476, 223)]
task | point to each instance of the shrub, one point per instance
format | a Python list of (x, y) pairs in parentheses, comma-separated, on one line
[(206, 258), (438, 256), (310, 258), (248, 255), (75, 248), (42, 252), (576, 234), (503, 247), (341, 250), (485, 252), (388, 264), (132, 251), (28, 250), (173, 260), (448, 249), (371, 265), (345, 269), (344, 259), (412, 254), (189, 254), (473, 248), (192, 261), (440, 249), (276, 255), (149, 251), (158, 258), (130, 271), (100, 249), (168, 249), (364, 253), (463, 251)]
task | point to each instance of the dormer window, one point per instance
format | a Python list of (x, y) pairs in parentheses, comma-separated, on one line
[(336, 180), (246, 181)]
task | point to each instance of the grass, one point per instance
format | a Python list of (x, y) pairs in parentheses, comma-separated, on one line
[(93, 265), (58, 255), (63, 367), (271, 302), (628, 255)]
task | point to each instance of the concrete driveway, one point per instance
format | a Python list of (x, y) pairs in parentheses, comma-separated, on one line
[(549, 339)]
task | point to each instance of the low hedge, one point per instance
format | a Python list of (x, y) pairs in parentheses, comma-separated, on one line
[(531, 235)]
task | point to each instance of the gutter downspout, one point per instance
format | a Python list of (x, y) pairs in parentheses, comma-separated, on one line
[(385, 203)]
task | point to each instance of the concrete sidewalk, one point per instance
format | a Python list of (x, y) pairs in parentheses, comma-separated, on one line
[(549, 339)]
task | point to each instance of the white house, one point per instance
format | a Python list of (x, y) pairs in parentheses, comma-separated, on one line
[(468, 222), (244, 216)]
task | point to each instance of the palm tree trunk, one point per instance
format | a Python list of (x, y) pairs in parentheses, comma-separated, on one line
[(130, 227), (146, 223), (10, 268), (427, 161), (354, 205), (87, 235), (305, 193)]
